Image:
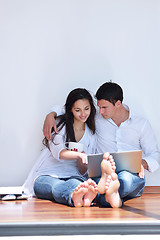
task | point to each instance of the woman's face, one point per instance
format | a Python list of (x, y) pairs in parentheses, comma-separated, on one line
[(81, 110)]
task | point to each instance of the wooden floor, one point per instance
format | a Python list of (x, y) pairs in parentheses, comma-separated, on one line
[(42, 217)]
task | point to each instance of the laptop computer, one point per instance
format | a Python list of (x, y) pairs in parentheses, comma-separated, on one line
[(129, 161)]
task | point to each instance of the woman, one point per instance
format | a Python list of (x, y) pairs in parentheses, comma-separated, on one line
[(56, 174)]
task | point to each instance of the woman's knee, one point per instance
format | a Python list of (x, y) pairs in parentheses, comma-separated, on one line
[(43, 187), (43, 190)]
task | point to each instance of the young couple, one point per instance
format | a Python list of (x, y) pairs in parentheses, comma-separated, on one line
[(59, 174)]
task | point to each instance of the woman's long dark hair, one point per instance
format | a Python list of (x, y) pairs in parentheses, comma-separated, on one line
[(67, 118)]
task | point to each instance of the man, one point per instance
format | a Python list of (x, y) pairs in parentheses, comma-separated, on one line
[(118, 129)]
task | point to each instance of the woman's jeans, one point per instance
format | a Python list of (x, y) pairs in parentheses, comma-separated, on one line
[(56, 189), (60, 190), (131, 186)]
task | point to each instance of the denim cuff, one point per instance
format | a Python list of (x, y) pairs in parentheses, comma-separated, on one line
[(70, 202)]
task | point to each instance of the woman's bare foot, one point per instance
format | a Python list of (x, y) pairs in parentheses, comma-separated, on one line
[(107, 167), (111, 190), (78, 194), (91, 194)]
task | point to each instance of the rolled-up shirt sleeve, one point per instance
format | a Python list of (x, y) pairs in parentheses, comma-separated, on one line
[(59, 110), (57, 144), (149, 147)]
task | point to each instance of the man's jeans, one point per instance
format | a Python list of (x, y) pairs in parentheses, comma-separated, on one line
[(55, 189), (131, 186)]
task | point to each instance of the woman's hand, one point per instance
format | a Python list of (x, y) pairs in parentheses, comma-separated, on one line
[(83, 157), (82, 163), (73, 155)]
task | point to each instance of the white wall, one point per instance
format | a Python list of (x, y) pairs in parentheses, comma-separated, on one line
[(49, 47)]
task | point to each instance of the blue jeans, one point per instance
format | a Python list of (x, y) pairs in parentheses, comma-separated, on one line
[(131, 186), (56, 189)]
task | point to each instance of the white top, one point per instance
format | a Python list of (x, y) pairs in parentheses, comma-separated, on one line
[(133, 134), (49, 163)]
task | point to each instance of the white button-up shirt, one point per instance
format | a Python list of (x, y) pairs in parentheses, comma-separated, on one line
[(133, 134)]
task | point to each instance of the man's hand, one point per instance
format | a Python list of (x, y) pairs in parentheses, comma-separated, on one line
[(49, 123), (141, 173), (144, 165)]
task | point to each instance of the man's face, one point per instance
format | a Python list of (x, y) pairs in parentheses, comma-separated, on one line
[(106, 109)]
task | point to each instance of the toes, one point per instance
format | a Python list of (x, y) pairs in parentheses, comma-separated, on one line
[(79, 186), (111, 158), (83, 185), (89, 181), (92, 185), (106, 155), (114, 176), (108, 180)]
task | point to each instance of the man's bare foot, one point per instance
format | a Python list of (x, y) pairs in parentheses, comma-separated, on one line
[(78, 194), (111, 190), (107, 167), (91, 194)]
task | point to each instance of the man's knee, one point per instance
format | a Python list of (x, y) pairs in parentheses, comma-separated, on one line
[(125, 179), (130, 184)]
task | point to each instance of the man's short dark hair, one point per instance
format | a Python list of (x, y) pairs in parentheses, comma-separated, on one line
[(110, 91)]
